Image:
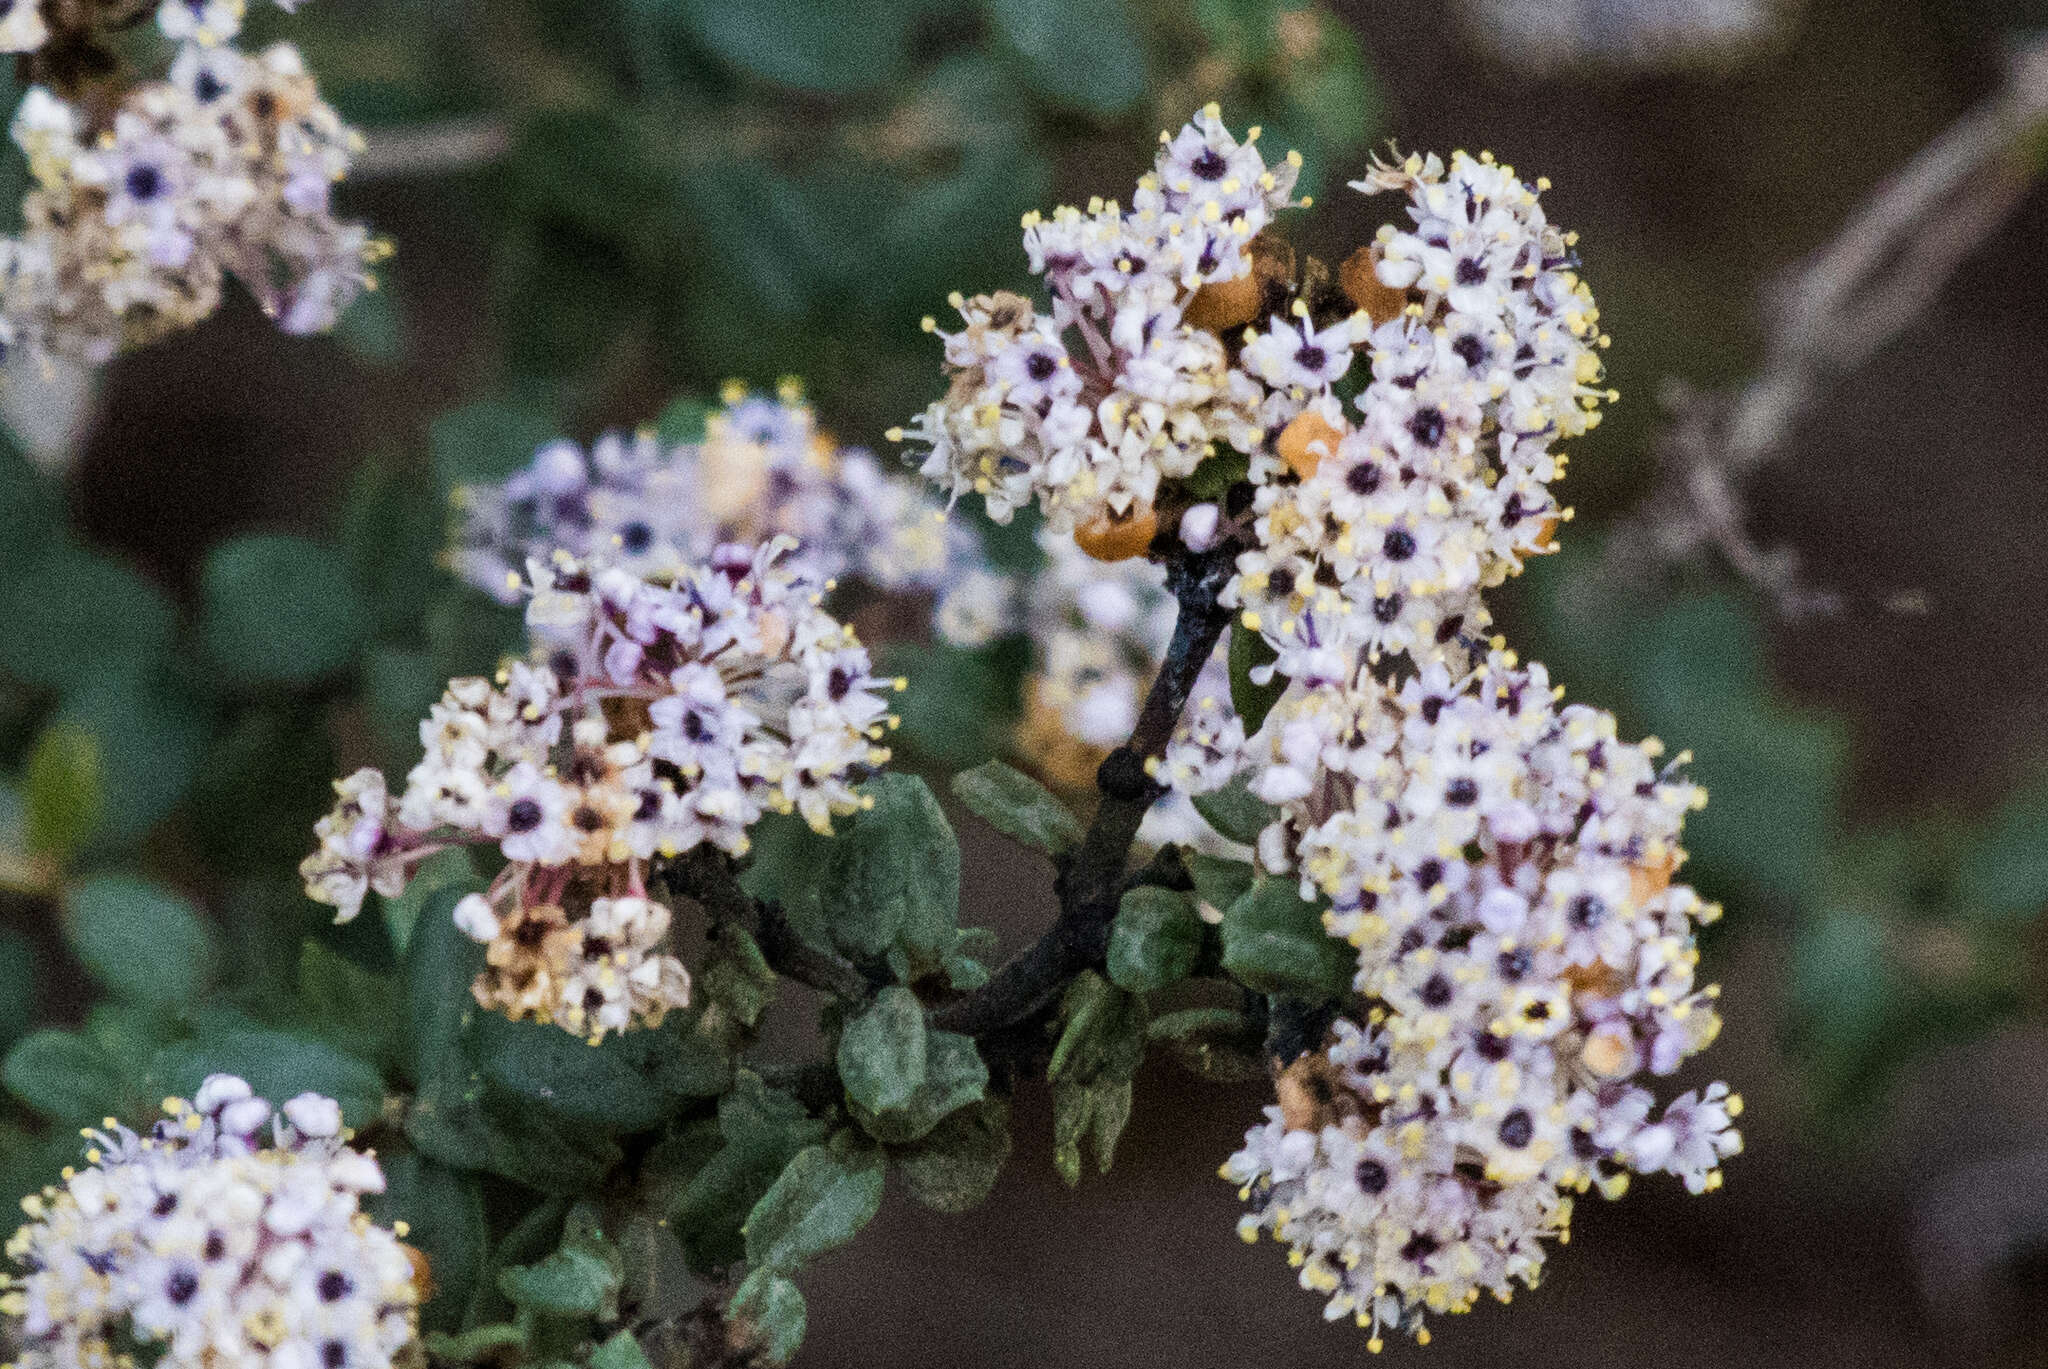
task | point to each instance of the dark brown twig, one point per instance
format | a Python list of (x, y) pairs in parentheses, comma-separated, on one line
[(1092, 877), (1882, 270), (708, 875)]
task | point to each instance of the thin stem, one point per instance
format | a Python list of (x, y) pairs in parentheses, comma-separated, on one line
[(708, 876), (1002, 1014), (424, 151), (1092, 878), (1889, 261)]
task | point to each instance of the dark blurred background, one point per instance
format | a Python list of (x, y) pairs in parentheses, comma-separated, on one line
[(651, 205)]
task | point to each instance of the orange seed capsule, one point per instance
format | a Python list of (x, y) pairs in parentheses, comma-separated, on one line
[(1363, 287), (1598, 979), (1109, 538), (1305, 441), (422, 1270), (1306, 1091), (1645, 882), (1606, 1054), (1224, 304)]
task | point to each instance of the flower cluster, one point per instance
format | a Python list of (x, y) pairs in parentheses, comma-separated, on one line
[(230, 1237), (1381, 533), (762, 470), (1503, 867), (140, 210), (1088, 408), (653, 717)]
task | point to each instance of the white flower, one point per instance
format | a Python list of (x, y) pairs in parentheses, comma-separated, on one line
[(21, 26), (202, 21), (1293, 355), (473, 916)]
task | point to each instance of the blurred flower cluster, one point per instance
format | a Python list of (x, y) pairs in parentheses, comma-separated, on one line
[(146, 198), (226, 1234)]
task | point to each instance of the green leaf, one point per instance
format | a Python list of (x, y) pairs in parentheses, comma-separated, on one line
[(1102, 1042), (399, 687), (1692, 671), (1218, 1044), (485, 442), (890, 881), (1219, 882), (278, 1065), (73, 617), (1334, 96), (2004, 877), (537, 1232), (760, 1130), (820, 1202), (498, 1132), (460, 1118), (1234, 812), (349, 1005), (810, 44), (1155, 939), (391, 527), (31, 509), (620, 1352), (1102, 1033), (900, 1078), (659, 1285), (630, 1082), (151, 736), (882, 1052), (682, 421), (145, 943), (65, 1077), (129, 1035), (960, 705), (17, 985), (1214, 477), (1083, 53), (1274, 942), (1018, 806), (954, 1077), (445, 1210), (767, 1313), (63, 794), (478, 1345), (1095, 1113), (281, 610), (957, 1163), (1840, 981), (736, 979), (450, 872), (1249, 650), (581, 1279)]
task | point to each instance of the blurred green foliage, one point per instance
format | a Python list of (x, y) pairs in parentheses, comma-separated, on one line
[(785, 186)]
